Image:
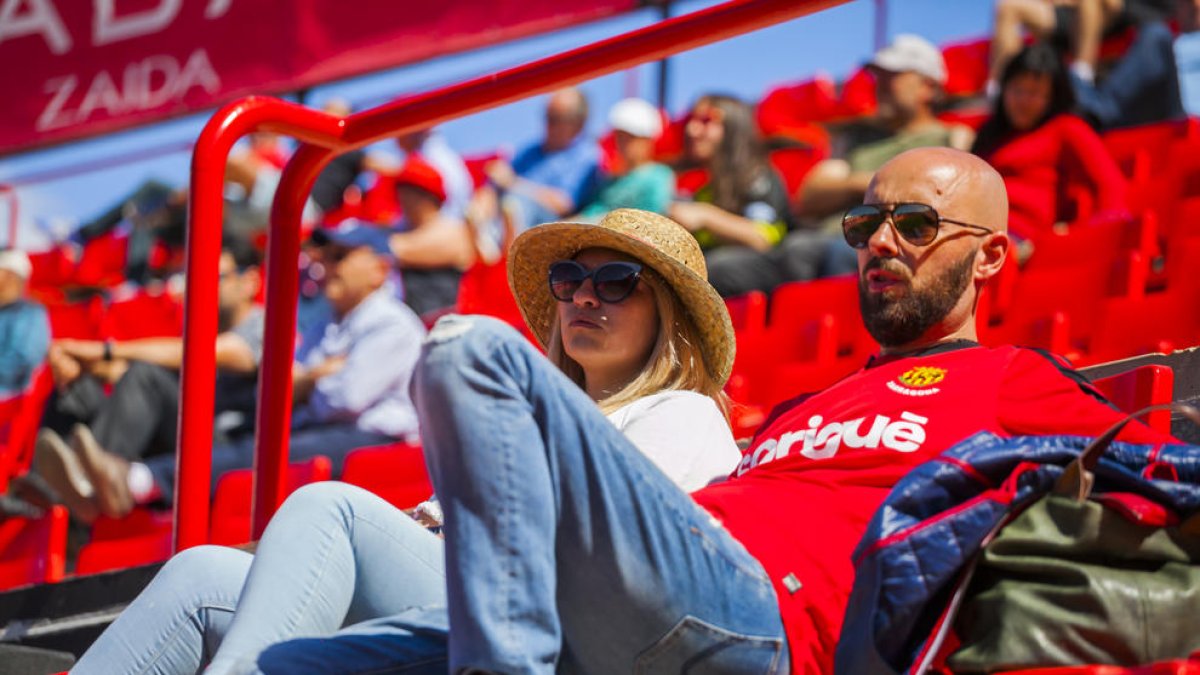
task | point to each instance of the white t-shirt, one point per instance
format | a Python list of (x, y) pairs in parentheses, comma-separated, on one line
[(683, 433)]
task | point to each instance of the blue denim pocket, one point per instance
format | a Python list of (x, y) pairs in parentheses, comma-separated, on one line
[(695, 647)]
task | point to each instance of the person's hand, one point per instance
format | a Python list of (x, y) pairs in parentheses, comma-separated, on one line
[(693, 216), (82, 350), (64, 369), (327, 367), (501, 174)]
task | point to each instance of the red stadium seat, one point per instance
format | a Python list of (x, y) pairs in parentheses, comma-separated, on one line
[(51, 269), (476, 165), (817, 321), (966, 67), (1143, 386), (793, 106), (145, 314), (484, 289), (748, 312), (33, 551), (102, 262), (78, 320), (20, 417), (794, 163), (394, 472), (140, 538), (230, 524), (858, 95), (1162, 322)]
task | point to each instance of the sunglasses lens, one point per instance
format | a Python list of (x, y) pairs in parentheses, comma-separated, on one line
[(566, 276), (615, 281), (860, 223), (917, 223)]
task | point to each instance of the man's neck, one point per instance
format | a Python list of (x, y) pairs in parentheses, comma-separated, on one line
[(933, 338)]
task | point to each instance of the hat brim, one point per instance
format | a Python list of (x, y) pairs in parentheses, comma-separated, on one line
[(535, 249)]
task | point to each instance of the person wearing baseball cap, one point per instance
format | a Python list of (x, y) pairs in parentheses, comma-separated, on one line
[(909, 74), (24, 326), (638, 181)]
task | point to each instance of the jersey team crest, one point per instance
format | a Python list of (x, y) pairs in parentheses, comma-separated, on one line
[(918, 381)]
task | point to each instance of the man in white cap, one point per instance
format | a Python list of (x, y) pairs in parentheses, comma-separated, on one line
[(24, 327), (909, 74), (639, 182)]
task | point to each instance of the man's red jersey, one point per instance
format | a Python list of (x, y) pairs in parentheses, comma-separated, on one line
[(822, 464)]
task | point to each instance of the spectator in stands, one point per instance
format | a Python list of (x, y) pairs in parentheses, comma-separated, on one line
[(1080, 24), (551, 178), (340, 174), (1156, 79), (254, 172), (642, 183), (24, 327), (431, 248), (1042, 150), (626, 316), (154, 213), (909, 74), (139, 419), (350, 380), (429, 146), (762, 559), (742, 210)]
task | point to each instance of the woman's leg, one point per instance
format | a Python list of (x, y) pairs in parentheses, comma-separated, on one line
[(334, 555), (175, 625), (565, 546)]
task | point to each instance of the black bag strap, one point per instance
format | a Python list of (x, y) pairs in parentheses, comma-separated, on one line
[(1077, 479)]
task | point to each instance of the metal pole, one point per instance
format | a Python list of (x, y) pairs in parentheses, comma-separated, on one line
[(664, 64), (881, 24)]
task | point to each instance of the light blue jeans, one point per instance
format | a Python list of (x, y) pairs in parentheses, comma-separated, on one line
[(334, 555), (566, 550)]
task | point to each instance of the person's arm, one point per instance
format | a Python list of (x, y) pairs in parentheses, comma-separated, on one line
[(304, 380), (27, 349), (728, 228), (233, 354), (379, 360), (832, 186), (433, 246), (502, 175), (1090, 154), (1042, 395)]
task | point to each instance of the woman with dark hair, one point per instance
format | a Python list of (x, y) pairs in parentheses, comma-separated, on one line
[(741, 211), (1042, 150)]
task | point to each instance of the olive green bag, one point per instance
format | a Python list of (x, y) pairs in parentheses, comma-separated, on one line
[(1071, 580)]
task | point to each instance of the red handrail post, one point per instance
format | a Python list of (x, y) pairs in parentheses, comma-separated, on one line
[(325, 137)]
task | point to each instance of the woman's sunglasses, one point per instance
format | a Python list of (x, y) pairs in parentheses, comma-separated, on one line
[(916, 223), (613, 281)]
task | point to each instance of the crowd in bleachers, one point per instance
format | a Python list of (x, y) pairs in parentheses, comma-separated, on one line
[(1095, 149)]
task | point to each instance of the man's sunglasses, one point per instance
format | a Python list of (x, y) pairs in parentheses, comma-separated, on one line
[(613, 281), (916, 223)]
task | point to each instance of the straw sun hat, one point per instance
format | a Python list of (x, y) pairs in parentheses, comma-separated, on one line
[(657, 242)]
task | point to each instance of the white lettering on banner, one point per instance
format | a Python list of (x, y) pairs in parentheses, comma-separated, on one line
[(906, 434), (41, 18), (146, 84), (107, 28)]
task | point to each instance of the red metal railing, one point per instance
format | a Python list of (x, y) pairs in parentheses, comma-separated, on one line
[(323, 137)]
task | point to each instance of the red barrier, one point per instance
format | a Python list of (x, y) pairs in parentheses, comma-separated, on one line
[(323, 137)]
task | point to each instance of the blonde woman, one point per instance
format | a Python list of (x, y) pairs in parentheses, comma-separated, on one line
[(623, 310)]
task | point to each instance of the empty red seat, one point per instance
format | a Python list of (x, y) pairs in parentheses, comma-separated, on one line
[(1161, 322), (797, 105), (79, 320), (395, 472), (115, 554), (230, 523), (33, 551), (102, 262), (21, 417), (1141, 387), (858, 95), (966, 67)]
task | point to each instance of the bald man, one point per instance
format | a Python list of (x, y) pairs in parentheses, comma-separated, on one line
[(616, 569)]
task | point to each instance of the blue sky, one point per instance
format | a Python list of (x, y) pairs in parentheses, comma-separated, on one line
[(834, 41)]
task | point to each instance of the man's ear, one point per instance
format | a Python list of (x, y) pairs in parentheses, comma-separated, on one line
[(991, 255)]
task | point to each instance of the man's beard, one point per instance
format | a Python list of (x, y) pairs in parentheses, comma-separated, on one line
[(899, 321)]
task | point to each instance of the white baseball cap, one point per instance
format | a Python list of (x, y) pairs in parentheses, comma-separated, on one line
[(636, 118), (912, 53), (16, 262)]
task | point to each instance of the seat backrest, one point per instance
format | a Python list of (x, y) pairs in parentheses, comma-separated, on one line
[(33, 551), (394, 472), (143, 315), (230, 525), (1143, 386), (80, 320)]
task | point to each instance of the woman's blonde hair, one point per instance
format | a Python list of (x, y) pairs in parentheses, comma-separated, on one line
[(675, 362)]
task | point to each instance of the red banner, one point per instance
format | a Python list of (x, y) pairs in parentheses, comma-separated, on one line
[(74, 68)]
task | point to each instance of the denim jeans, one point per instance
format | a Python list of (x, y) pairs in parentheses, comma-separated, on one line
[(1142, 88), (566, 549), (334, 555)]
